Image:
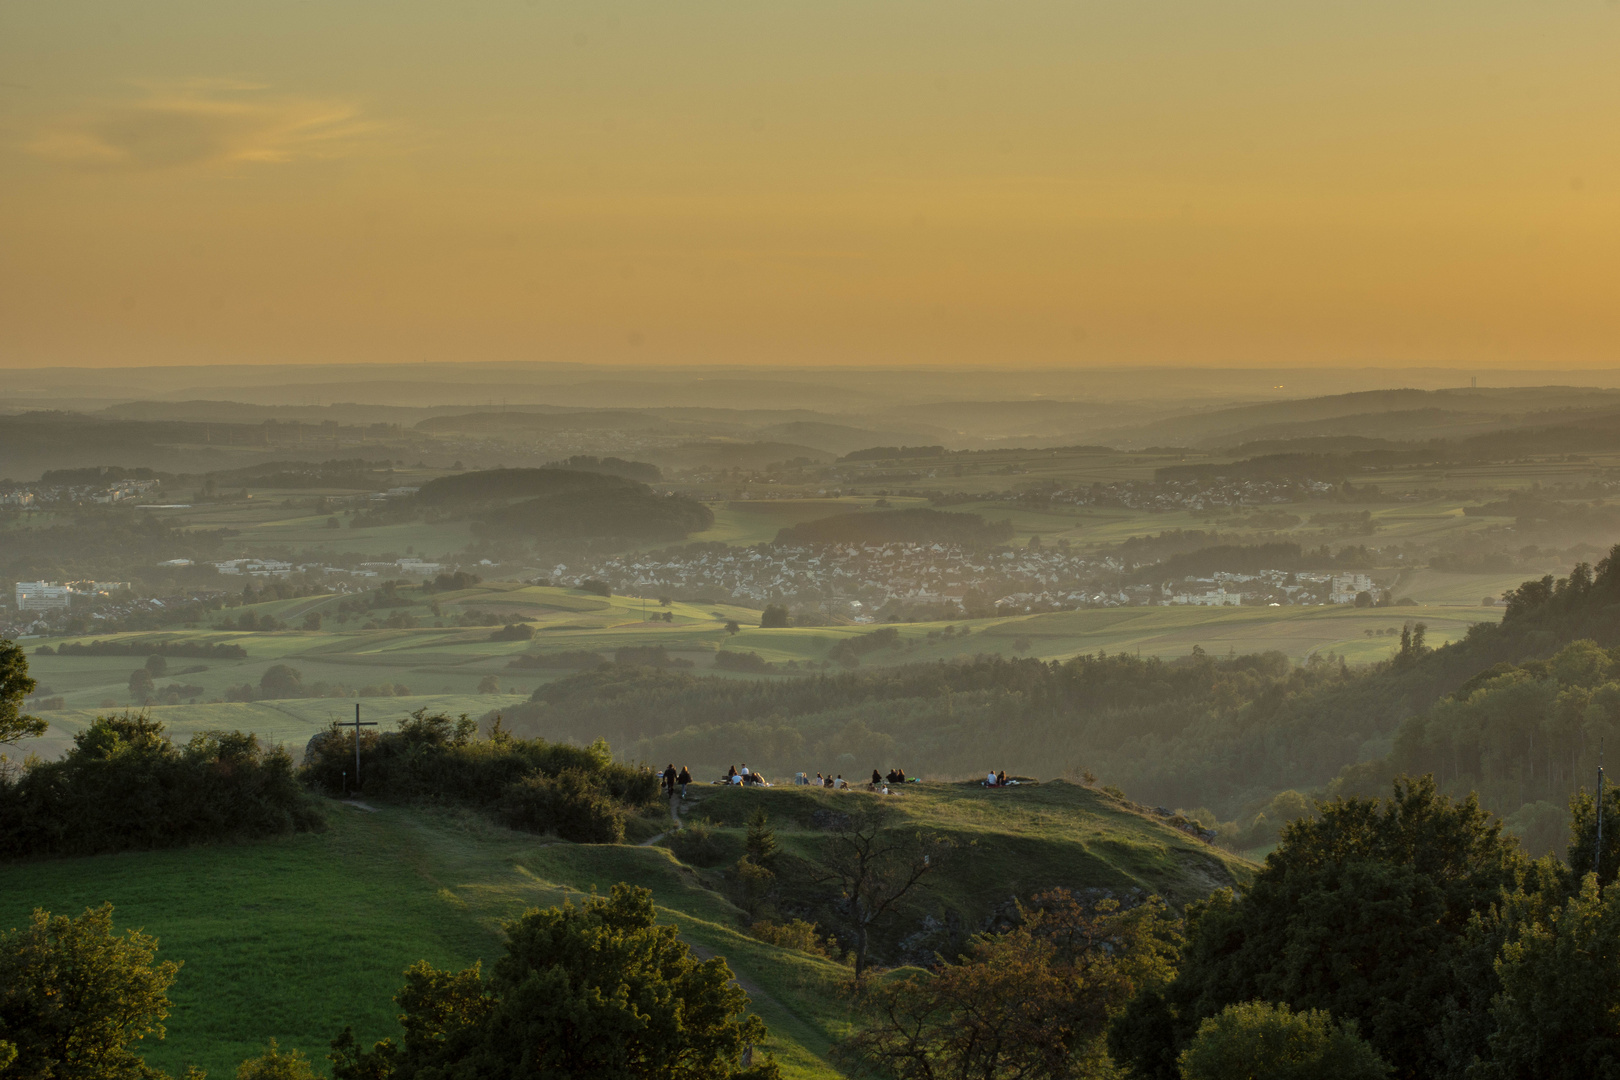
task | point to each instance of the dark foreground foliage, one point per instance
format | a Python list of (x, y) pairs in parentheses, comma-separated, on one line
[(76, 999), (598, 990), (126, 786), (578, 792), (1418, 925)]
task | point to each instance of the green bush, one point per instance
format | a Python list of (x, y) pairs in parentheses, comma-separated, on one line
[(124, 785), (794, 934), (434, 757), (1261, 1041), (569, 804), (697, 844)]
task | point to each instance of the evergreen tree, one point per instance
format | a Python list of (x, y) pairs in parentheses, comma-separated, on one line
[(760, 841)]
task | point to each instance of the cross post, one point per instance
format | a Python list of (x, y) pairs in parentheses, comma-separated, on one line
[(357, 724)]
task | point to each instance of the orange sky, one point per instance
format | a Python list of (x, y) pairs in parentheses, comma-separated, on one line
[(1091, 181)]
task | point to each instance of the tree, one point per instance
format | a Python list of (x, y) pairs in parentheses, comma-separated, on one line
[(157, 665), (489, 684), (1367, 911), (1261, 1041), (141, 684), (760, 842), (16, 684), (732, 627), (281, 681), (1558, 1015), (274, 1065), (874, 865), (312, 621), (774, 617), (1030, 1003), (1583, 835), (597, 990), (75, 998)]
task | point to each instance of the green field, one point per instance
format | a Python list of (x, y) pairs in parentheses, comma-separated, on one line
[(442, 667), (295, 937)]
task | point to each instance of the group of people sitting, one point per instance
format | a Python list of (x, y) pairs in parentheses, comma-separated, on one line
[(837, 783), (895, 776), (744, 776), (673, 779), (998, 779)]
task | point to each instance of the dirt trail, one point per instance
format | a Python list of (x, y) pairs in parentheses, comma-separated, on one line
[(675, 815)]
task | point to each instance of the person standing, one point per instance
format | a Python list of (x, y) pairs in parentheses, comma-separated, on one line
[(683, 779), (669, 781)]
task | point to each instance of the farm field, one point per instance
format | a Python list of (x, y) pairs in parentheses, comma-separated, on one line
[(295, 937), (442, 668)]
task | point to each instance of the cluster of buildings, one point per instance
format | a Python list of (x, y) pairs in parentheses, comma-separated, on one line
[(864, 577), (39, 495), (262, 568), (52, 595)]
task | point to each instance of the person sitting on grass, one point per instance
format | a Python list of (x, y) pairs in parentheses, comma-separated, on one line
[(990, 780), (1001, 779), (828, 783), (731, 774), (899, 776), (878, 780), (840, 784), (683, 779)]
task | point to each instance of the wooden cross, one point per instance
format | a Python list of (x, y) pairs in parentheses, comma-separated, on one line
[(357, 724)]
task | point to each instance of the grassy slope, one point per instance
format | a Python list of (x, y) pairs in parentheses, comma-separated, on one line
[(295, 937), (298, 936)]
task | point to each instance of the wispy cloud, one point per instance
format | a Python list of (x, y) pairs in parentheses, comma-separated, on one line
[(198, 123)]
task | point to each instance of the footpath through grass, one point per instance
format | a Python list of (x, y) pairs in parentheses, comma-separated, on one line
[(294, 938)]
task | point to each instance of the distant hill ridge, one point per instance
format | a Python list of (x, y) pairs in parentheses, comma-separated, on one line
[(898, 526)]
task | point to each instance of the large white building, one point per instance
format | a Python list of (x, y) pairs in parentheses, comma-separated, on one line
[(42, 595), (1347, 586)]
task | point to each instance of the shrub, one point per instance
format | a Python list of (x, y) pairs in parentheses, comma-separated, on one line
[(794, 934), (124, 785), (1261, 1041), (774, 617), (740, 661), (569, 804), (513, 632), (596, 588), (697, 844)]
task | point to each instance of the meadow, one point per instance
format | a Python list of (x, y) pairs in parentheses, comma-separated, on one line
[(442, 667), (295, 937)]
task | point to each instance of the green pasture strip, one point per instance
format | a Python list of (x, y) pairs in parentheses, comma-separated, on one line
[(289, 722), (295, 937)]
